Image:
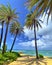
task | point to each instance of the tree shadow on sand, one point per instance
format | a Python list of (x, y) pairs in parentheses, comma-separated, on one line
[(42, 61), (30, 61), (50, 57)]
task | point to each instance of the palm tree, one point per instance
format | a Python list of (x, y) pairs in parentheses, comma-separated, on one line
[(2, 23), (15, 29), (30, 23), (41, 6), (8, 15)]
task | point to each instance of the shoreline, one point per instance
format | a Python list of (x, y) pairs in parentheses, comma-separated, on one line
[(31, 60), (21, 53), (32, 52)]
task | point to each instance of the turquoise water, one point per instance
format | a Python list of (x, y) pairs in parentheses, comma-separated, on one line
[(32, 52)]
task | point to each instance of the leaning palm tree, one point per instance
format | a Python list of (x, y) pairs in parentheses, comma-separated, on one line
[(30, 23), (15, 29), (8, 15), (41, 6)]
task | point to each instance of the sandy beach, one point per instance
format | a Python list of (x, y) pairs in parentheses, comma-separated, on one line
[(31, 60)]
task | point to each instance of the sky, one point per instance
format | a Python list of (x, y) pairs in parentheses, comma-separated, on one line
[(26, 40)]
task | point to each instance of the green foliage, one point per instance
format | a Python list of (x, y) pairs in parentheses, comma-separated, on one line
[(45, 5), (2, 58), (6, 12), (8, 56), (30, 21), (41, 56), (15, 27), (17, 54), (11, 55), (1, 62)]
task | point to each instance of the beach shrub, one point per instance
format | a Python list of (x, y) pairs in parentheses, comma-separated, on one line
[(1, 62), (17, 54), (11, 55), (41, 56), (8, 57), (2, 59)]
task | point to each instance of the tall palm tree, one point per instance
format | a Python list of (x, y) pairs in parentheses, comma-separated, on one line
[(41, 6), (33, 23), (15, 29), (8, 15), (2, 23)]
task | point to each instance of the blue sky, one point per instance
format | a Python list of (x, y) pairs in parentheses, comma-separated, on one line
[(26, 40)]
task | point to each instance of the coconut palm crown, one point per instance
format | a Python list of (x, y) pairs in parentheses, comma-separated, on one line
[(29, 21), (15, 29), (7, 13), (41, 6)]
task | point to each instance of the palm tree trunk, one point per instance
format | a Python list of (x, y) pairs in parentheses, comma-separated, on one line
[(4, 42), (1, 33), (35, 40), (13, 43)]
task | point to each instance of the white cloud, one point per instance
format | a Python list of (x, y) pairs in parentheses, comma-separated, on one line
[(29, 33), (40, 44)]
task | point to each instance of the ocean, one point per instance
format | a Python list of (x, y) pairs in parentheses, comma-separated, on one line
[(32, 52)]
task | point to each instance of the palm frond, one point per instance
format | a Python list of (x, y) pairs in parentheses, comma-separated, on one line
[(6, 12), (30, 21), (41, 7), (15, 27)]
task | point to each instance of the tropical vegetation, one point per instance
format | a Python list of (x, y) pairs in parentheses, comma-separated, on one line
[(8, 57), (8, 15)]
